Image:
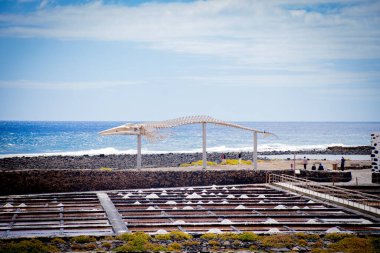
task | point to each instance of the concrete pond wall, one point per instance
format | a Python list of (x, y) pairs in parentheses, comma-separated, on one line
[(48, 181)]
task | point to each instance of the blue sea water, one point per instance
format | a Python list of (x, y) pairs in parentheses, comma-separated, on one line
[(78, 138)]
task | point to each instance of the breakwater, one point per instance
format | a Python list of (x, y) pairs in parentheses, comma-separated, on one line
[(128, 161), (45, 181)]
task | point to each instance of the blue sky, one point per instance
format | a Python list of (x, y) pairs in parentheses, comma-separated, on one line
[(282, 60)]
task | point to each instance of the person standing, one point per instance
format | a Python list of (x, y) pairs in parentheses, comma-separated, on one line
[(223, 157), (304, 162), (239, 156), (342, 162)]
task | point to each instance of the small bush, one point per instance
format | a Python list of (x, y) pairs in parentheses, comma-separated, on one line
[(236, 243), (175, 247), (199, 163), (162, 237), (334, 237), (236, 162), (29, 246), (105, 169), (213, 243), (228, 236), (108, 238), (253, 248), (76, 247), (57, 241), (318, 244), (191, 243), (136, 242), (89, 246), (318, 250), (352, 245), (134, 236), (309, 237), (248, 237), (209, 236), (107, 245), (155, 247), (302, 243), (179, 235), (83, 239), (278, 241)]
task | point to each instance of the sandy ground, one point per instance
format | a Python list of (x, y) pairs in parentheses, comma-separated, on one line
[(359, 176), (274, 164)]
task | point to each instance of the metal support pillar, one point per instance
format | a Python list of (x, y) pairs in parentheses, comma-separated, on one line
[(255, 150), (204, 154), (139, 151)]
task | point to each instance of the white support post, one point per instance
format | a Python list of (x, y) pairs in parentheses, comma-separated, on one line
[(255, 150), (204, 154), (139, 151)]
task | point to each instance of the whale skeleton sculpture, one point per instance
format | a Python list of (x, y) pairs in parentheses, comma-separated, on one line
[(151, 131)]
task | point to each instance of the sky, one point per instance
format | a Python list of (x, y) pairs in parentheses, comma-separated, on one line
[(238, 60)]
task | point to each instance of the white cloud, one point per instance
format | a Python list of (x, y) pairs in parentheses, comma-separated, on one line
[(264, 34), (73, 85), (324, 80)]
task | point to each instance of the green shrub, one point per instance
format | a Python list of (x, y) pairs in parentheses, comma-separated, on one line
[(318, 244), (162, 237), (309, 237), (236, 243), (179, 235), (191, 243), (334, 237), (58, 241), (83, 239), (200, 163), (213, 243), (248, 237), (228, 236), (27, 246), (278, 241), (352, 245), (209, 236), (154, 247), (136, 242), (318, 250), (107, 245), (236, 162), (302, 243), (105, 169), (175, 247), (89, 246), (133, 236), (185, 165)]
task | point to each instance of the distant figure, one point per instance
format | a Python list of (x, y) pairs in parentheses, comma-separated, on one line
[(342, 161), (223, 157), (304, 162), (239, 156), (313, 167), (320, 167)]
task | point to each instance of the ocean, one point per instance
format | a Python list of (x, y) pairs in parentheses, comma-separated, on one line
[(28, 138)]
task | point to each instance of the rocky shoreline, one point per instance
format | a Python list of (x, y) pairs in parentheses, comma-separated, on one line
[(151, 160)]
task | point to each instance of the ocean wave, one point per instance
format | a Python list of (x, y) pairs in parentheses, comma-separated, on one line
[(220, 149)]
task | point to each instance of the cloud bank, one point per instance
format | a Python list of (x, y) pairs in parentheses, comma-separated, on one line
[(265, 34)]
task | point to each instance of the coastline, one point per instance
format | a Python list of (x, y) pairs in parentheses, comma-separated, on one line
[(128, 161)]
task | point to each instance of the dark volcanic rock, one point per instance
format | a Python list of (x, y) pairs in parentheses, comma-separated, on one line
[(149, 160), (44, 181)]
